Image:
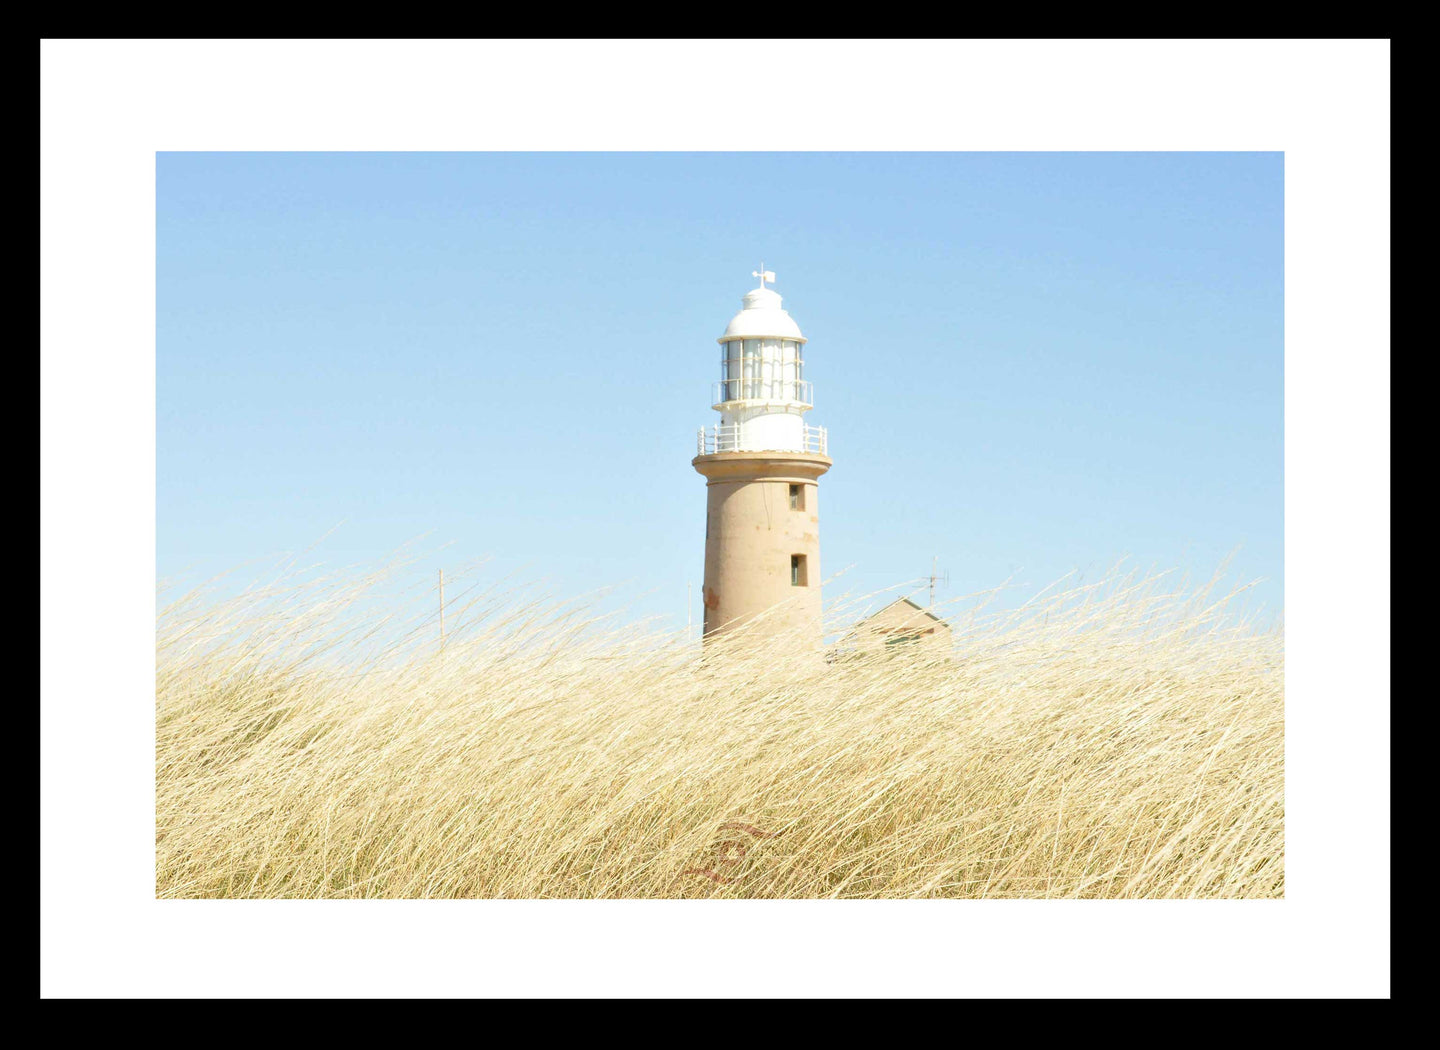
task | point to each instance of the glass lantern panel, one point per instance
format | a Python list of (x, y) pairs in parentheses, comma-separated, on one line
[(730, 371)]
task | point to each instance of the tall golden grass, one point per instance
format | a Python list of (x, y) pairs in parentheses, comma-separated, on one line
[(1116, 740)]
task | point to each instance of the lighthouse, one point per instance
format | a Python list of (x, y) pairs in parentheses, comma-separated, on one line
[(762, 463)]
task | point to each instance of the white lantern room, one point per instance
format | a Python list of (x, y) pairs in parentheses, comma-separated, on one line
[(762, 394)]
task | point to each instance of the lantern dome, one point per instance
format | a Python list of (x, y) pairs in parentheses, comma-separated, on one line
[(762, 316)]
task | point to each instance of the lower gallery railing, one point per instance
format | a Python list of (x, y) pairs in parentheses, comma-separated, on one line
[(730, 437)]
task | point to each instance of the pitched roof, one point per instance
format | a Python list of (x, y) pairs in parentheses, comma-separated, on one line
[(907, 601)]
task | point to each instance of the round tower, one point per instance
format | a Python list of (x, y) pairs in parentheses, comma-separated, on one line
[(762, 462)]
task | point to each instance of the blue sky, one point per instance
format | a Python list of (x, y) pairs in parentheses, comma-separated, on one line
[(1028, 363)]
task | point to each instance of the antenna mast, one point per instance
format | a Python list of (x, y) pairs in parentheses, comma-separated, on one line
[(934, 577)]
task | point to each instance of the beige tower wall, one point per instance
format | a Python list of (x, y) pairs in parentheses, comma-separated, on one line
[(751, 534)]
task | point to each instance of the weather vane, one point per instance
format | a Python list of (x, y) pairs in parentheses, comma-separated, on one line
[(764, 275)]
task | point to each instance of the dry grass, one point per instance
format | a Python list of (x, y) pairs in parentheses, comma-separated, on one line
[(1112, 741)]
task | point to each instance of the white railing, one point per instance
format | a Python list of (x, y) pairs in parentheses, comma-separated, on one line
[(793, 391), (730, 437)]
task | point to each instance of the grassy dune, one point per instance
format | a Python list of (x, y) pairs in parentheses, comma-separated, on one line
[(1118, 740)]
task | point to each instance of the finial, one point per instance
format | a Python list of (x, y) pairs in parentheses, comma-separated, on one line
[(764, 275)]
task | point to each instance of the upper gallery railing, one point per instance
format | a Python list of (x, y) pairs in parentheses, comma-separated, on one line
[(794, 391)]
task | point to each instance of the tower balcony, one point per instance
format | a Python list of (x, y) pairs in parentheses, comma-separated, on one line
[(740, 437), (770, 391)]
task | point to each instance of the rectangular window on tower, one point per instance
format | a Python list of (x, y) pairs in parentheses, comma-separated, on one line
[(797, 571), (797, 497)]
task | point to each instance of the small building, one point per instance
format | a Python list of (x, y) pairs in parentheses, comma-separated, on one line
[(901, 628)]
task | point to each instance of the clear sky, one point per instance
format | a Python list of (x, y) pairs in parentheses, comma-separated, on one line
[(1028, 363)]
